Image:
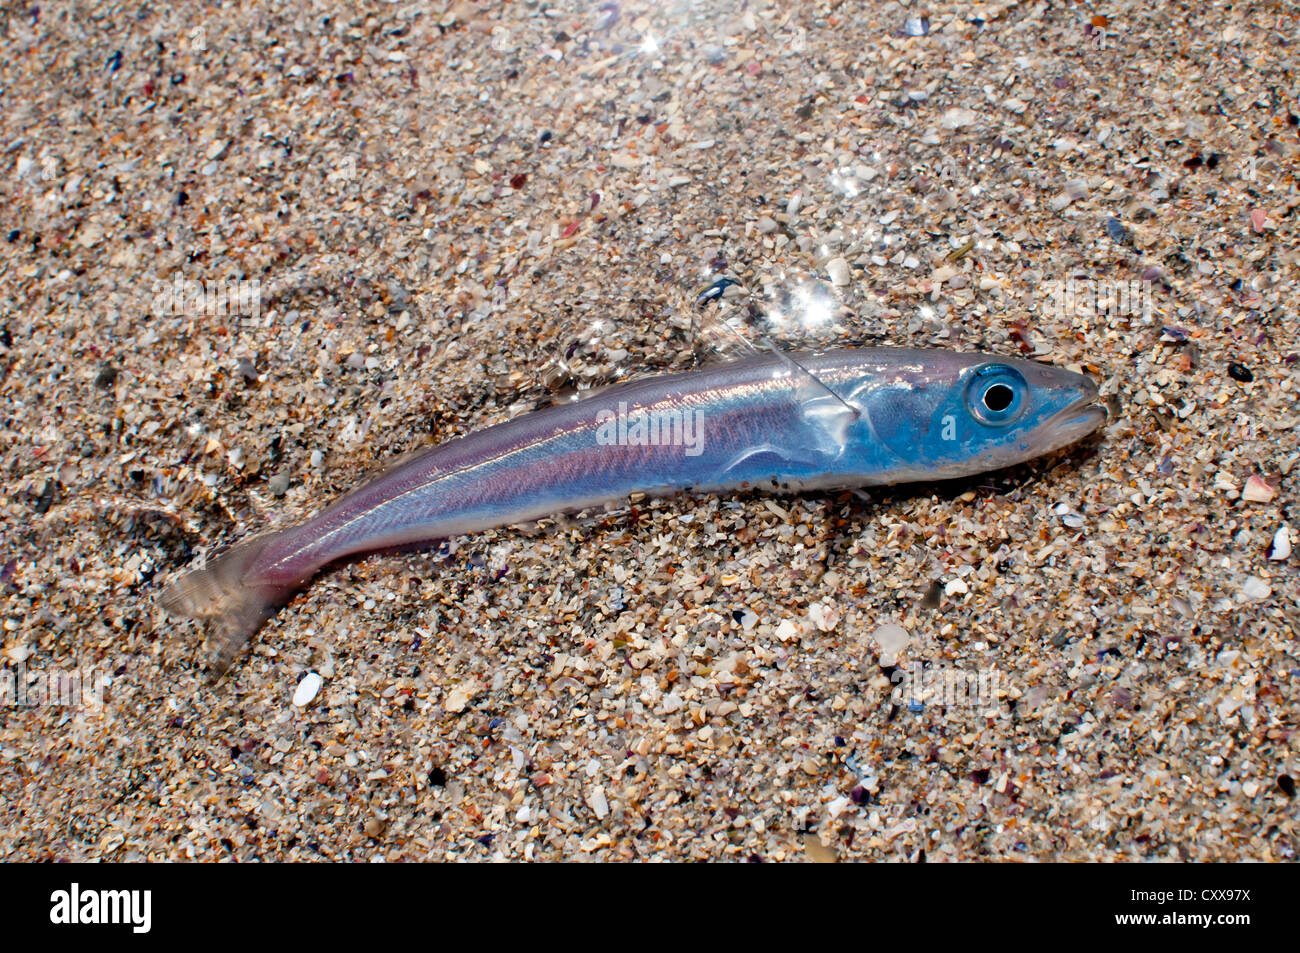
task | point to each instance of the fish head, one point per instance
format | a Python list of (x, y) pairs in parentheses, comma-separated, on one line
[(944, 414)]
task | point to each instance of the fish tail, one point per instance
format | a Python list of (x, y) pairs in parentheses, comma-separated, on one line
[(229, 592)]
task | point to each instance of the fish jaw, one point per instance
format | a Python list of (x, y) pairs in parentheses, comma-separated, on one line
[(1071, 425)]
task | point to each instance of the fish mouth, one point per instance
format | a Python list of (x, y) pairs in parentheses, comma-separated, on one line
[(1076, 421)]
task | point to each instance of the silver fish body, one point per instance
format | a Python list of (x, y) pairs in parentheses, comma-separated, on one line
[(840, 418)]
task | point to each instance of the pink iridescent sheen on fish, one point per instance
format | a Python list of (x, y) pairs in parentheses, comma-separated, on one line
[(777, 422)]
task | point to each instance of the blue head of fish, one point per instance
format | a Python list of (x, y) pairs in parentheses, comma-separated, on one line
[(924, 415)]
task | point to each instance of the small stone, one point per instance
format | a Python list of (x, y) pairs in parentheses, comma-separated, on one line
[(1240, 373), (787, 631), (956, 587), (838, 269), (106, 377), (278, 484), (713, 292), (460, 696), (307, 690), (824, 615), (1254, 589), (1227, 708), (1257, 491), (672, 703), (1258, 219), (1280, 549), (891, 638), (1250, 788), (597, 801), (1068, 516), (957, 118)]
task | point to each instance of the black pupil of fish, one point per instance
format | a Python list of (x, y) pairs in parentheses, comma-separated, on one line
[(998, 398)]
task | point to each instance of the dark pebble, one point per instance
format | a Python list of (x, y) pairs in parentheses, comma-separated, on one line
[(106, 377), (1240, 372), (46, 499), (1286, 784), (715, 291)]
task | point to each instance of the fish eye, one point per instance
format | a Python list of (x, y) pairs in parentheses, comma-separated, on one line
[(996, 395), (997, 398)]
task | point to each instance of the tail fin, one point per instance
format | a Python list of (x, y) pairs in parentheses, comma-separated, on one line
[(227, 592)]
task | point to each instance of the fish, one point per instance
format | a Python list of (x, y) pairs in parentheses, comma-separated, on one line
[(781, 422)]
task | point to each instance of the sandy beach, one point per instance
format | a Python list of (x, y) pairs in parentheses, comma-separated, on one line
[(249, 254)]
